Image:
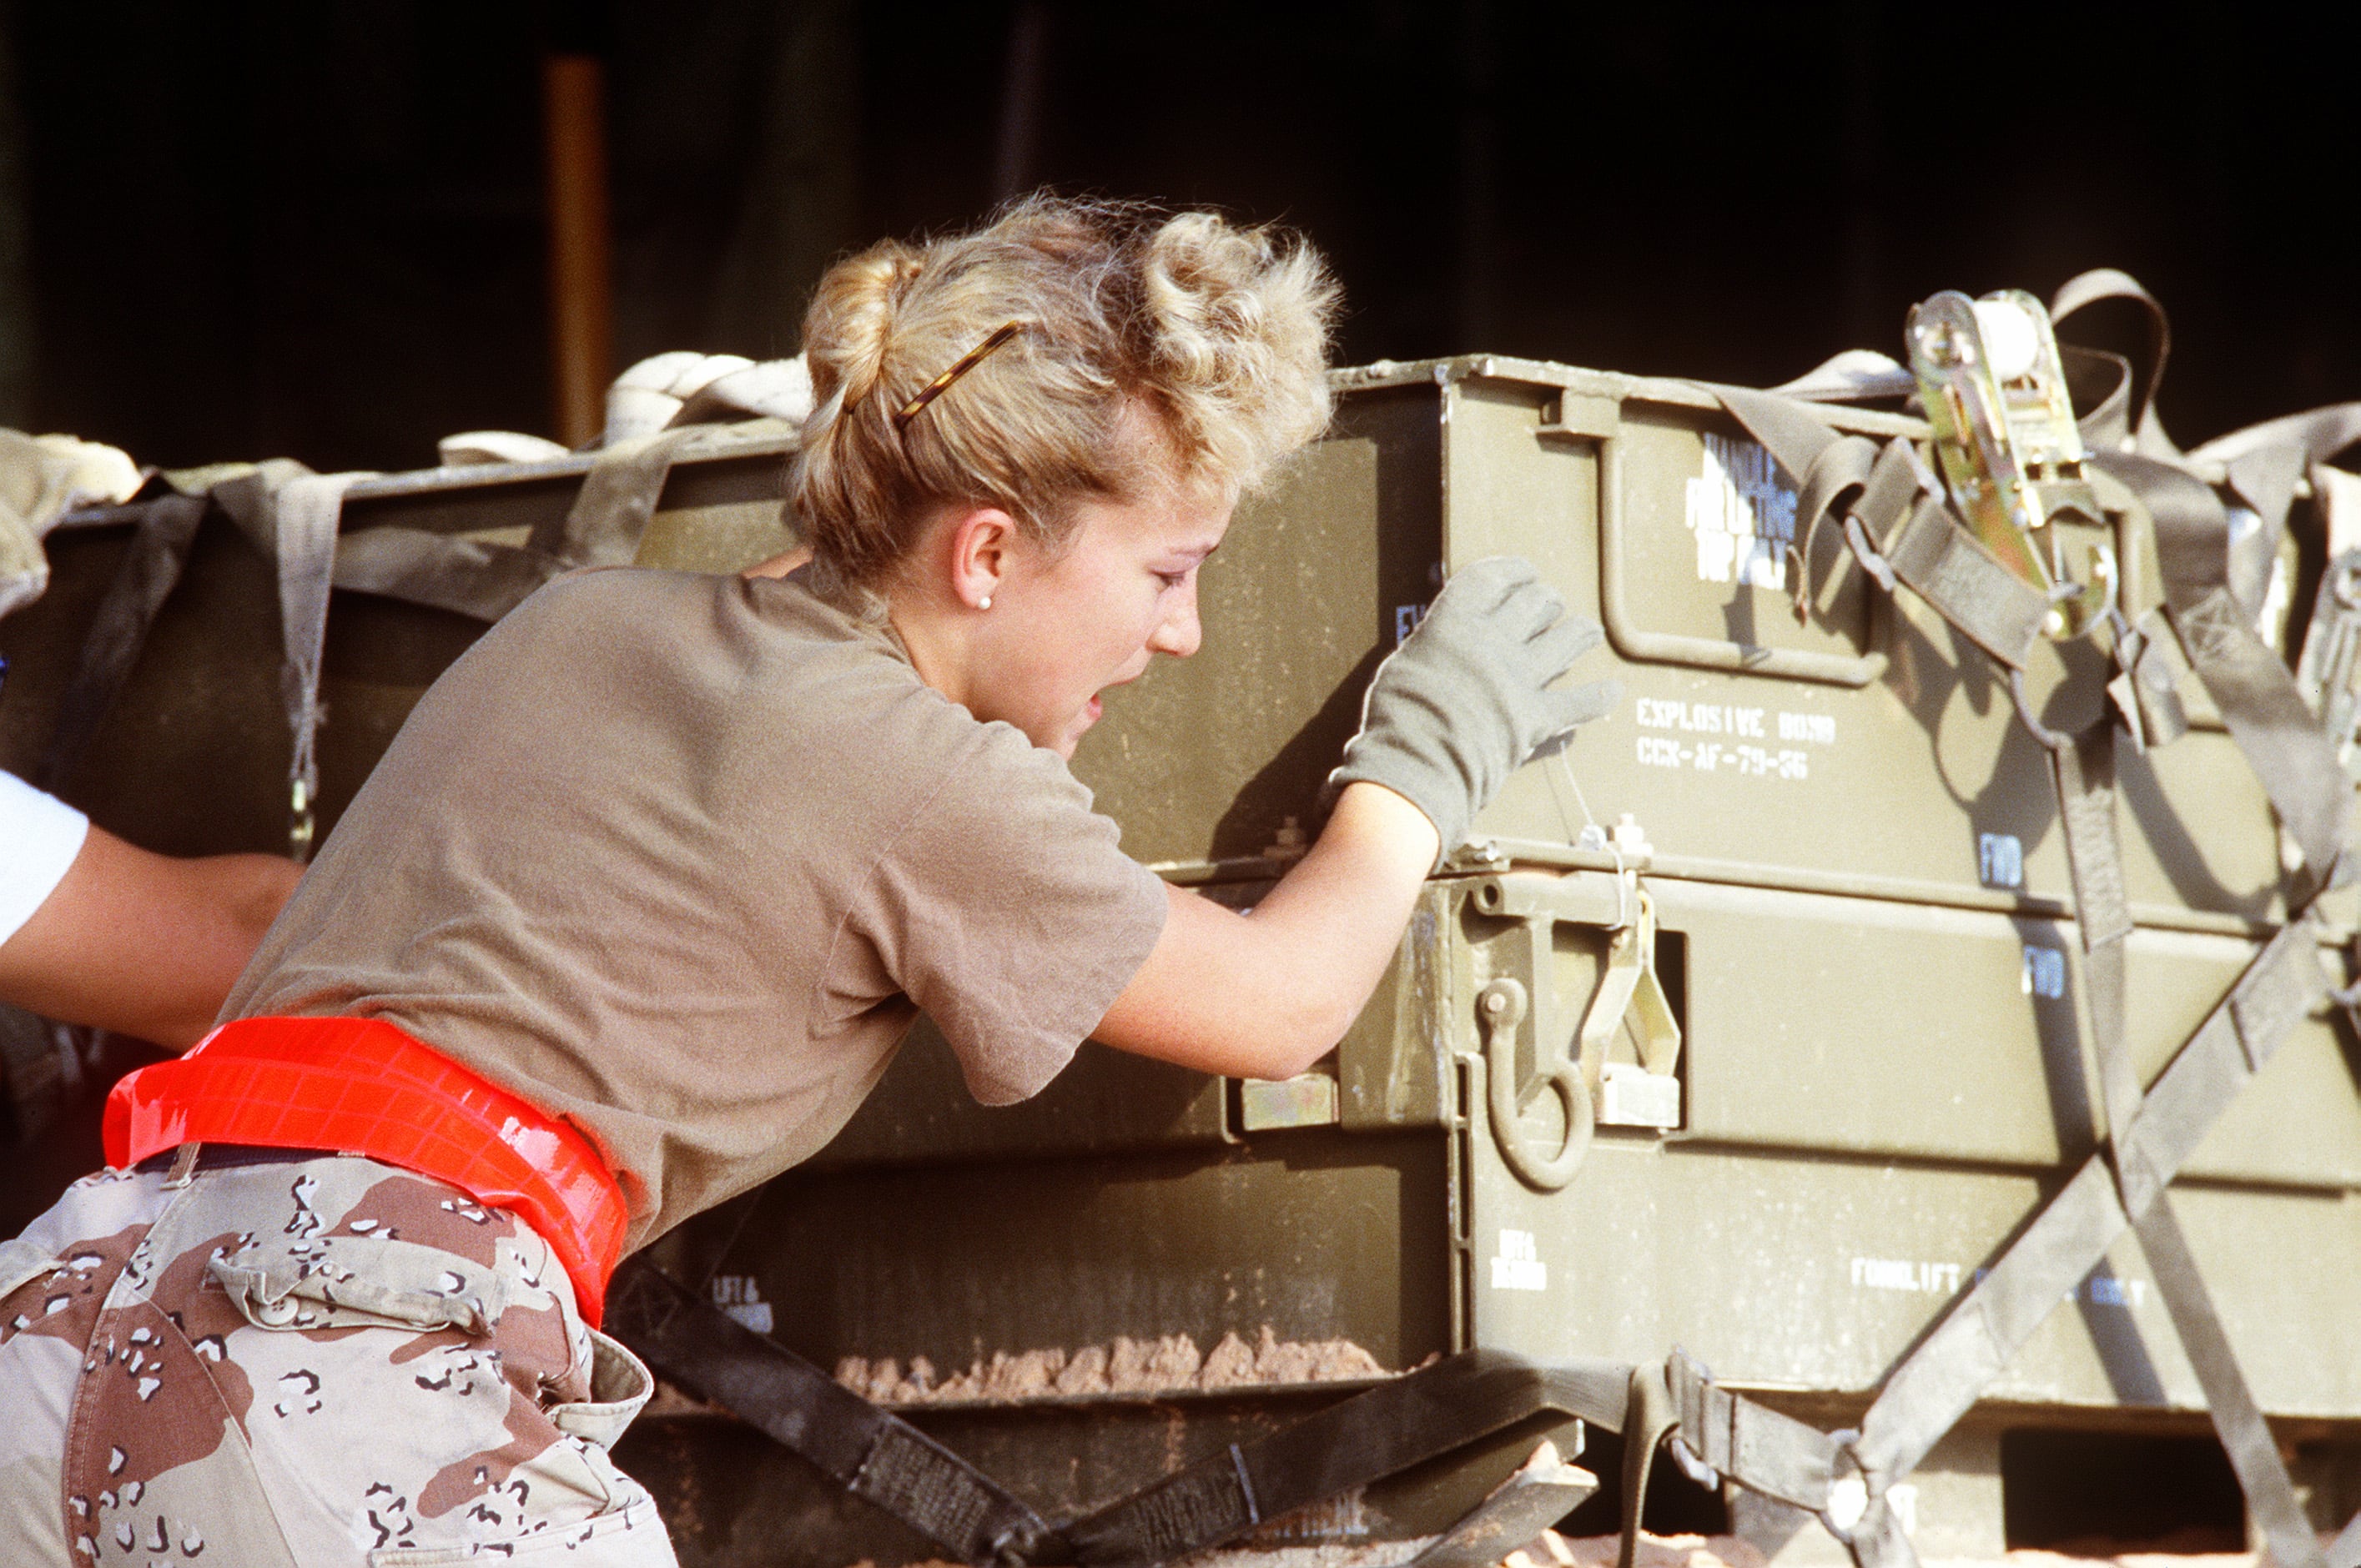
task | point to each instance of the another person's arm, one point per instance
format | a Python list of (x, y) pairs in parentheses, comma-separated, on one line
[(779, 566), (1461, 705), (140, 943)]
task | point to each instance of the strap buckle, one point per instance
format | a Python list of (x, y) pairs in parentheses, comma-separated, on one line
[(1995, 389), (302, 822)]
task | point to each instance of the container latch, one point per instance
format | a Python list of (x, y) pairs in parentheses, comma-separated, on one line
[(1645, 1094)]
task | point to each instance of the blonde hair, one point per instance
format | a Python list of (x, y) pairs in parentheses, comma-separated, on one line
[(1219, 332)]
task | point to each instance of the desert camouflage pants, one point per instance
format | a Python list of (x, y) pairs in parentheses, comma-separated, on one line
[(315, 1361)]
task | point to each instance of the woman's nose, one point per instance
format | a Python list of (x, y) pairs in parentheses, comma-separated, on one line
[(1179, 633)]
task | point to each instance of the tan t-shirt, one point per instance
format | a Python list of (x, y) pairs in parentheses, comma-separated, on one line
[(679, 857)]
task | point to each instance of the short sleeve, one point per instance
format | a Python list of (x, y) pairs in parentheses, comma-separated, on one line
[(40, 837), (1008, 912)]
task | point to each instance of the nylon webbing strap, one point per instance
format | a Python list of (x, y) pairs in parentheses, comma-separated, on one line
[(2084, 770), (1844, 465), (468, 576), (603, 527), (1933, 1388), (1773, 1453), (2149, 1137), (2114, 420), (151, 568), (871, 1452), (305, 520), (1887, 482), (2245, 1436), (2318, 433), (1924, 546), (2274, 727), (1649, 1415), (611, 509), (1945, 566), (1415, 1417)]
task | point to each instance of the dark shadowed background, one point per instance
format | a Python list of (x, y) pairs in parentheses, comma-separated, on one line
[(248, 227)]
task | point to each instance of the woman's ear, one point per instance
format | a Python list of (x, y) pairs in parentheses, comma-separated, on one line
[(984, 543)]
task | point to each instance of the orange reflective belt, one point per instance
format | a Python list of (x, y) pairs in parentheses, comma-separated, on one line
[(362, 1086)]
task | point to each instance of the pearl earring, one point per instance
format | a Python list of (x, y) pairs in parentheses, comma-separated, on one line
[(983, 603)]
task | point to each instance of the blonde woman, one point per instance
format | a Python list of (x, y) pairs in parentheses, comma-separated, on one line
[(641, 902)]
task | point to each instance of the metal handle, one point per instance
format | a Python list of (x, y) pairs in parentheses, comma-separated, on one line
[(1702, 653), (1501, 1007)]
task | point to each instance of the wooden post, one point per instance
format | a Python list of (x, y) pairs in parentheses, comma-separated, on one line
[(581, 301)]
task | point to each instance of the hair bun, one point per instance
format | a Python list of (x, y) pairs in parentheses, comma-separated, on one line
[(850, 326)]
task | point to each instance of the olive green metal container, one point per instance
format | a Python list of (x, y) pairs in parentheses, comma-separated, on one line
[(1850, 846), (1843, 837), (1863, 930)]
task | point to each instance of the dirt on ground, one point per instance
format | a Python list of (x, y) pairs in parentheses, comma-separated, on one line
[(1172, 1364)]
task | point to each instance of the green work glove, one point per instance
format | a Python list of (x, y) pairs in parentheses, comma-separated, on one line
[(1465, 701)]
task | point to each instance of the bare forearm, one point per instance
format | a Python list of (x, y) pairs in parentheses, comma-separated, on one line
[(143, 944), (1266, 993), (1455, 709), (1335, 920)]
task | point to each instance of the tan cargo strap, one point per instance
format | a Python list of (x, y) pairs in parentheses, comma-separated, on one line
[(876, 1455), (2277, 731), (2084, 773), (291, 515), (1924, 1396), (486, 580), (1913, 533), (1420, 1416), (2112, 426), (2293, 753), (306, 540), (2149, 1137), (1416, 1417), (1364, 1438), (295, 517)]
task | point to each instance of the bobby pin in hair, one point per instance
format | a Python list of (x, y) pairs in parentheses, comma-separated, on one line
[(967, 362)]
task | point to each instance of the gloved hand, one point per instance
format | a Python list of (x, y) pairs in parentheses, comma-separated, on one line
[(1465, 702)]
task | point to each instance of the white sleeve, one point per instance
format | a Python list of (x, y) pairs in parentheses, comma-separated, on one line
[(40, 837)]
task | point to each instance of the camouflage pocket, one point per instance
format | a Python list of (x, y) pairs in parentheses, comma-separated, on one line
[(620, 1386), (21, 1261), (337, 1282)]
